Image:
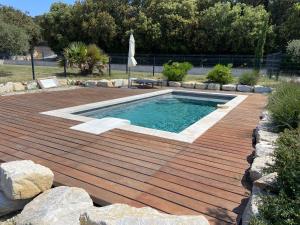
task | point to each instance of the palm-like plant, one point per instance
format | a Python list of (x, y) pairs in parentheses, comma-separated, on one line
[(85, 57), (76, 55)]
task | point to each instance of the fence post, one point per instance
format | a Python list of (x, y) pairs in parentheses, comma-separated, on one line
[(126, 63), (153, 69), (109, 66), (32, 64), (65, 67)]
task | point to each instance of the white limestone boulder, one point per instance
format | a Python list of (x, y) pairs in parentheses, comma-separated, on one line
[(266, 136), (18, 86), (9, 87), (264, 149), (174, 84), (119, 82), (259, 164), (59, 206), (31, 85), (229, 87), (24, 179), (71, 82), (262, 89), (2, 89), (8, 206), (201, 86), (252, 206), (213, 86), (244, 88), (265, 125), (90, 83), (267, 182), (105, 83), (188, 84), (63, 82), (119, 214)]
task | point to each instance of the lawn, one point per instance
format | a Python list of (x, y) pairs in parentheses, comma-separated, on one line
[(23, 73)]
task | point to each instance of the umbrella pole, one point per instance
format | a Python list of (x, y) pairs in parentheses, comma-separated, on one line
[(129, 77)]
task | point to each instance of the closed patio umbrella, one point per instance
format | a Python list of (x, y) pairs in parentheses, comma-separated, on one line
[(131, 60)]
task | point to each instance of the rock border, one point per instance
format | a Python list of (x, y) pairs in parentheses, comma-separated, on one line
[(263, 183)]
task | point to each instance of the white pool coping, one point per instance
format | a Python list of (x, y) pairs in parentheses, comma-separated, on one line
[(189, 135)]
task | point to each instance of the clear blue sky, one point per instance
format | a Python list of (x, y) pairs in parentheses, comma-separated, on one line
[(34, 7)]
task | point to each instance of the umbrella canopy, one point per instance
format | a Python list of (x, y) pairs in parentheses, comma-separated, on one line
[(131, 60)]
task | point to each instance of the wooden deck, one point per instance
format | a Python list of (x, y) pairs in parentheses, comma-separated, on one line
[(124, 167)]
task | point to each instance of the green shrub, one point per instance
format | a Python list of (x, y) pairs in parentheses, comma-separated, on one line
[(293, 50), (287, 163), (175, 71), (278, 210), (249, 78), (283, 206), (284, 105), (95, 58), (220, 74), (86, 58)]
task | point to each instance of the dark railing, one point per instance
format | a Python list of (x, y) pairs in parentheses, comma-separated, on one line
[(275, 64), (241, 61)]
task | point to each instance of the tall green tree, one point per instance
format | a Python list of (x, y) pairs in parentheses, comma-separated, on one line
[(13, 39), (260, 46), (173, 26), (18, 32), (23, 21), (87, 21), (165, 25), (229, 28), (290, 29)]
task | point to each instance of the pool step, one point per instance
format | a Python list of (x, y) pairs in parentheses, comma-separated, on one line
[(99, 126)]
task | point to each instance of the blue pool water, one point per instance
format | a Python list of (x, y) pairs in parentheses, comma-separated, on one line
[(169, 112)]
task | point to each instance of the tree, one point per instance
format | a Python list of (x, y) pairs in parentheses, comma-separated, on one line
[(293, 50), (290, 29), (229, 28), (58, 28), (85, 21), (260, 46), (21, 20), (14, 40), (18, 32), (174, 26), (174, 18)]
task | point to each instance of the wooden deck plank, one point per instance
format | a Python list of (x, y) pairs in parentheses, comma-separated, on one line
[(120, 166)]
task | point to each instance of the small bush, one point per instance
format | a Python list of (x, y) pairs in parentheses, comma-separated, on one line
[(287, 163), (175, 71), (249, 78), (220, 74), (84, 57), (95, 58), (277, 210), (284, 105), (293, 50), (282, 207)]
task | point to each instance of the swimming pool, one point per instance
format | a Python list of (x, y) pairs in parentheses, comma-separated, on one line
[(170, 112), (173, 114)]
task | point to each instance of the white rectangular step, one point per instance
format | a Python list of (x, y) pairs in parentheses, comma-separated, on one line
[(98, 126)]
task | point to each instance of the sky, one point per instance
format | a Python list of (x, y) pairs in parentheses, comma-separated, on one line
[(33, 7)]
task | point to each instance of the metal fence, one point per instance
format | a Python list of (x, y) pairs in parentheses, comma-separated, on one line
[(277, 64), (241, 61)]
